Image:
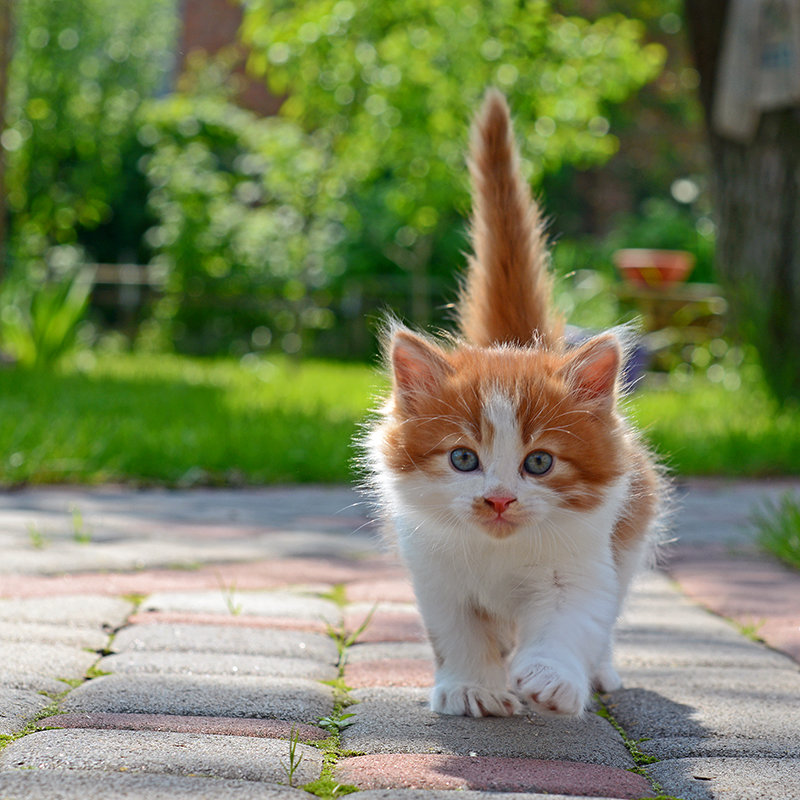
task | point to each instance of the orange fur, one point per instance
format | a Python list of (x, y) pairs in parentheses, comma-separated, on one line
[(506, 293), (565, 399), (584, 435), (519, 494)]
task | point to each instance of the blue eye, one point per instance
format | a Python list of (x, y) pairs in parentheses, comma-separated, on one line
[(538, 462), (464, 460)]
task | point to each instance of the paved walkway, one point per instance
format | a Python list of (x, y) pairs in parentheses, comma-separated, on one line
[(211, 644)]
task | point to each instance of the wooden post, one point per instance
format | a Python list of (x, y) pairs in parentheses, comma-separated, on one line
[(756, 192)]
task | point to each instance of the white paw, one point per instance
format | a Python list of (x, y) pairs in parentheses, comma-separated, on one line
[(470, 700), (551, 687), (606, 678)]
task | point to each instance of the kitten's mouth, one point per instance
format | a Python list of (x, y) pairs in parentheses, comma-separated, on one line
[(499, 526)]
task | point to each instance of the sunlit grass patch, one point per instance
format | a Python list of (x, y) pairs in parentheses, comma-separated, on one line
[(178, 421), (778, 525), (705, 429), (181, 421)]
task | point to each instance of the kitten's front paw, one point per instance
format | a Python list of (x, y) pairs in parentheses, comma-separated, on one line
[(551, 687), (469, 700)]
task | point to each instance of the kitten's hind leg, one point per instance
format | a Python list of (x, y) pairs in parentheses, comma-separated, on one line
[(605, 677), (628, 560)]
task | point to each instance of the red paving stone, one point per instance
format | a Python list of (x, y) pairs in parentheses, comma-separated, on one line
[(227, 726), (268, 574), (388, 590), (231, 620), (400, 771), (751, 589), (390, 672), (387, 625)]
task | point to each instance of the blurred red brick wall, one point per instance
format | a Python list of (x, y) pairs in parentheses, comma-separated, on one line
[(211, 26)]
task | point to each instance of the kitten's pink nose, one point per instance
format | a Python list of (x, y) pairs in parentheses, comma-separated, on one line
[(500, 502)]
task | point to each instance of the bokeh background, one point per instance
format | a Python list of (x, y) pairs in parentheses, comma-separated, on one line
[(207, 206)]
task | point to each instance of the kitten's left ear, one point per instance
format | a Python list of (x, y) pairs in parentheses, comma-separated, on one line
[(418, 366), (593, 368)]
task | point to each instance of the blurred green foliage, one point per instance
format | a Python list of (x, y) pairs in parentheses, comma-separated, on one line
[(245, 238), (284, 232), (388, 90), (38, 327), (78, 74)]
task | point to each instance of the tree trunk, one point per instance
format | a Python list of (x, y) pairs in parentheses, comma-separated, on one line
[(756, 192), (5, 60)]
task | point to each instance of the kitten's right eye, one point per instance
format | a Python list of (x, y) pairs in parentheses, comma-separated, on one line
[(464, 459)]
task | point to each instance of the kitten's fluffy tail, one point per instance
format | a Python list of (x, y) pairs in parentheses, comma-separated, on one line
[(506, 296)]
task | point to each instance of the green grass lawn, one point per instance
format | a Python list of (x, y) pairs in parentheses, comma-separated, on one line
[(705, 429), (179, 421)]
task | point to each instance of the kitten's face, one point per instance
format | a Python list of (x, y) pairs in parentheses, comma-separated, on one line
[(498, 439)]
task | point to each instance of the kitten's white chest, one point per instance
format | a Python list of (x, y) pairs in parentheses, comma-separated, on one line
[(498, 577)]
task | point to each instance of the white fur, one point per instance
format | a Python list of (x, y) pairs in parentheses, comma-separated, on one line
[(552, 585)]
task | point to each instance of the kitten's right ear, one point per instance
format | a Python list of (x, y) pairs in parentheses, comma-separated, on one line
[(418, 367)]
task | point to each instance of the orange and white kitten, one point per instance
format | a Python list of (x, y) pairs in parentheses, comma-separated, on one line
[(520, 498)]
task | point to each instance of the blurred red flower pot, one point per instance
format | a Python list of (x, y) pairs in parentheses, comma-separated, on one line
[(655, 269)]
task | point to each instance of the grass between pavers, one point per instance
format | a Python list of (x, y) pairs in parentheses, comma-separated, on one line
[(179, 421), (326, 786), (54, 706), (640, 758)]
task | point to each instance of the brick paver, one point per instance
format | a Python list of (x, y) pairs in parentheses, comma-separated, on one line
[(144, 681), (491, 774)]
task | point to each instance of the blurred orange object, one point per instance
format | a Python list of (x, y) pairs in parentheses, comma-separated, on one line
[(657, 269)]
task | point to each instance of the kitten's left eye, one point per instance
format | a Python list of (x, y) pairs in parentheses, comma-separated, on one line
[(538, 462), (464, 459)]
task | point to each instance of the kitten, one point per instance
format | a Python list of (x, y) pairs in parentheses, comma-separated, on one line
[(520, 498)]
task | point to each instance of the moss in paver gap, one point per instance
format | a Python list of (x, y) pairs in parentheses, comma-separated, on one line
[(326, 785), (640, 758), (32, 727), (54, 708)]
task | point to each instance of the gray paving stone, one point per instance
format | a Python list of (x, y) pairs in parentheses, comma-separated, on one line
[(714, 511), (203, 695), (729, 778), (266, 604), (94, 611), (75, 785), (240, 757), (383, 651), (231, 507), (644, 648), (64, 634), (656, 604), (31, 681), (226, 639), (399, 721), (45, 660), (18, 707), (114, 556), (192, 663), (180, 527), (661, 628), (705, 711)]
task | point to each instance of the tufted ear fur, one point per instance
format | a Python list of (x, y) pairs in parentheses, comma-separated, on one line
[(418, 367), (593, 368)]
